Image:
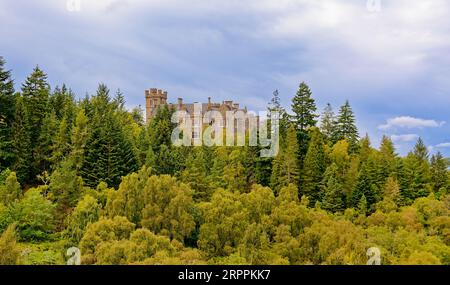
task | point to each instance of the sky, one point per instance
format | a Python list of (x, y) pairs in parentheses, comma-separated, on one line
[(390, 59)]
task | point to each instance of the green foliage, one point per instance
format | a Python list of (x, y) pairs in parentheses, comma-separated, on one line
[(9, 252), (346, 127), (11, 191), (34, 215), (7, 111), (314, 167), (87, 211)]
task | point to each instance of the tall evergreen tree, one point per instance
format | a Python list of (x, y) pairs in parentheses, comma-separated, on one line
[(304, 108), (7, 106), (439, 173), (21, 142), (108, 154), (43, 151), (80, 136), (285, 170), (346, 127), (36, 92), (328, 122), (313, 167), (332, 190)]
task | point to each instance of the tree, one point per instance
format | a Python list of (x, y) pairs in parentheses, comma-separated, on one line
[(108, 155), (328, 123), (86, 212), (65, 188), (286, 166), (332, 191), (34, 215), (43, 151), (313, 167), (7, 112), (346, 127), (415, 174), (21, 142), (195, 175), (80, 136), (304, 108), (61, 144), (11, 191), (35, 92), (439, 173), (9, 251)]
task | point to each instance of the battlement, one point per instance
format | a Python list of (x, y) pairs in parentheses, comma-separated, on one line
[(156, 97)]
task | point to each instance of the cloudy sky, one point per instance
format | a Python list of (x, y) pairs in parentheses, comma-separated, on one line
[(391, 59)]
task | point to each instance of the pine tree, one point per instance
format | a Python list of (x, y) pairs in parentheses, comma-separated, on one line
[(35, 92), (328, 123), (195, 175), (313, 167), (80, 136), (365, 187), (61, 143), (108, 155), (304, 108), (7, 103), (286, 169), (333, 198), (346, 127), (415, 175), (21, 142), (43, 150), (439, 173)]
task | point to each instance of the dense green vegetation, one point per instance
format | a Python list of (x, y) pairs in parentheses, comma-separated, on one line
[(89, 173)]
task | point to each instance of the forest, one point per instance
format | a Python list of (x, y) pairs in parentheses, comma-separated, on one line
[(87, 172)]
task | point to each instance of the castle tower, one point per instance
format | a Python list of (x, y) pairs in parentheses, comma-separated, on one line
[(154, 98)]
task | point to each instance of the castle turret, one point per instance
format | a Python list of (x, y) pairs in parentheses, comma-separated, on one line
[(154, 98)]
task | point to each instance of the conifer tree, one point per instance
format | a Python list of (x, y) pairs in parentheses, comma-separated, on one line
[(195, 175), (7, 103), (313, 167), (36, 92), (21, 142), (286, 169), (328, 123), (80, 136), (61, 143), (43, 150), (439, 173), (346, 127), (304, 108), (333, 198)]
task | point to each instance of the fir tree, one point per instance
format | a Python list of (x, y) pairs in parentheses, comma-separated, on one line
[(304, 108), (313, 167), (346, 127), (21, 142), (7, 103), (333, 198), (439, 173), (327, 122)]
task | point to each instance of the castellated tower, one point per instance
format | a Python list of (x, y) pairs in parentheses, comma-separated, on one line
[(154, 98)]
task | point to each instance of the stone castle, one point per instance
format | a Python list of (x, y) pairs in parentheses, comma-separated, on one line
[(155, 98)]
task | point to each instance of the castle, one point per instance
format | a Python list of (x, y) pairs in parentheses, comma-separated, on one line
[(155, 98)]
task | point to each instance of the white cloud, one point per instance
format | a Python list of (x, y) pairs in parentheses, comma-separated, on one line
[(409, 123), (443, 145), (404, 138)]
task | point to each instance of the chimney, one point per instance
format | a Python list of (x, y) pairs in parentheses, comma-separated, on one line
[(180, 101), (209, 100), (236, 105)]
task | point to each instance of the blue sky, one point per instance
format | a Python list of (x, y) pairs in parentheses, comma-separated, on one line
[(393, 63)]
